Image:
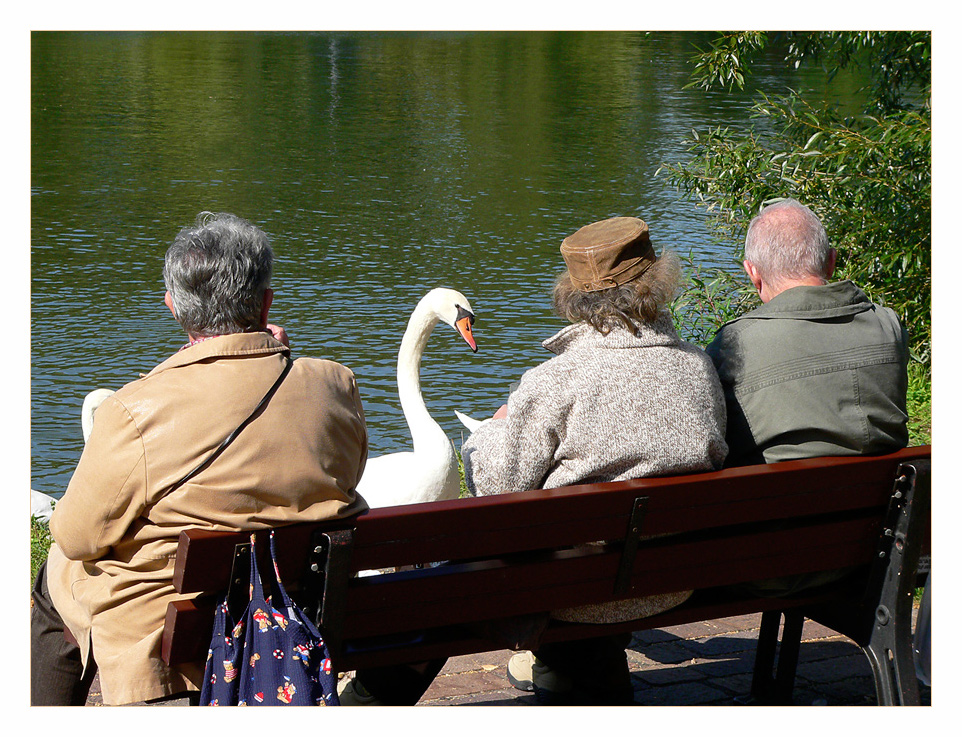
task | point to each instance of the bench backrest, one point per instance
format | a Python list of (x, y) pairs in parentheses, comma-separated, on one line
[(536, 551)]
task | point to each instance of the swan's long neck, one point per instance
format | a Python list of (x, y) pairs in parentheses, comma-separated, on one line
[(423, 428)]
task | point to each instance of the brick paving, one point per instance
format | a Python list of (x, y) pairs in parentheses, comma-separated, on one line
[(703, 664)]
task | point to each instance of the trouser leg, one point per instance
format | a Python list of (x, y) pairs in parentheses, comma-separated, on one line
[(598, 667), (56, 672), (400, 685)]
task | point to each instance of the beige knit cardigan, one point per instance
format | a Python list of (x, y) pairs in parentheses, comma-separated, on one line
[(605, 408)]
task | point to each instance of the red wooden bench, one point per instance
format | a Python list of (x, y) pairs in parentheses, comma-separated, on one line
[(510, 559)]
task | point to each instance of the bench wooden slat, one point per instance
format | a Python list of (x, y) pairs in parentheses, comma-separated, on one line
[(192, 619), (452, 641), (528, 532)]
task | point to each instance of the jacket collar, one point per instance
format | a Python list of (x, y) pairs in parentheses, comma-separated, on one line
[(838, 299), (237, 344), (581, 335)]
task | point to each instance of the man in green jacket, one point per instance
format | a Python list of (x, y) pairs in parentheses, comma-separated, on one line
[(818, 369)]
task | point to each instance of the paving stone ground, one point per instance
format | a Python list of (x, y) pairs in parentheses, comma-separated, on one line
[(703, 663)]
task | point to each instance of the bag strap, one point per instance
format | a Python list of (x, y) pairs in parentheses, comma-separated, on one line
[(277, 573), (230, 438), (256, 588)]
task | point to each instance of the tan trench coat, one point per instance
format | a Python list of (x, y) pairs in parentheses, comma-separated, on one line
[(116, 528)]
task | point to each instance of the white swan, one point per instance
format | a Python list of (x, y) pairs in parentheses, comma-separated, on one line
[(93, 400), (430, 471), (41, 505)]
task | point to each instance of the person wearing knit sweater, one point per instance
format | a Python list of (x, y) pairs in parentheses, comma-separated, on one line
[(623, 397)]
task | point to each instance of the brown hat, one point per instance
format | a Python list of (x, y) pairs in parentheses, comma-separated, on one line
[(608, 253)]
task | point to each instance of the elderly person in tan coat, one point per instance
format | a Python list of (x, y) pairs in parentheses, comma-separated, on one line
[(109, 574)]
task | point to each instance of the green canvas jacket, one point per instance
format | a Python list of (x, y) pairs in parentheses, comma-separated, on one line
[(817, 371)]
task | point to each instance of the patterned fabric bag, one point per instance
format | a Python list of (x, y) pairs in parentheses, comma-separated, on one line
[(270, 655)]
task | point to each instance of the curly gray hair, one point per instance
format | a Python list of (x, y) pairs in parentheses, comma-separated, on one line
[(217, 272)]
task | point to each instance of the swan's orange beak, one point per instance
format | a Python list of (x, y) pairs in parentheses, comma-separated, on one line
[(463, 326)]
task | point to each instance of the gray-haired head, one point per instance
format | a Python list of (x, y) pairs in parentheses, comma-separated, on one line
[(217, 272), (787, 241)]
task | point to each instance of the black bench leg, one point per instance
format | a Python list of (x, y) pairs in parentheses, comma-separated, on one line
[(765, 655), (889, 653), (889, 648), (773, 684)]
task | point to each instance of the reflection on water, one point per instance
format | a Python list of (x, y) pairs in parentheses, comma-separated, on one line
[(382, 165)]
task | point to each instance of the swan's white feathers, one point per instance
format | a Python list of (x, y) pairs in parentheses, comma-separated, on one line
[(469, 422), (91, 402)]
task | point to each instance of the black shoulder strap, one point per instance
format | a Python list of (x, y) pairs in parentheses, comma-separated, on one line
[(230, 438)]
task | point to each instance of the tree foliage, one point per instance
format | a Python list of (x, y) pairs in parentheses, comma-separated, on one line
[(867, 176), (711, 297)]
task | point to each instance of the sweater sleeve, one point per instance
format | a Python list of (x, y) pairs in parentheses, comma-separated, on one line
[(107, 491), (517, 452)]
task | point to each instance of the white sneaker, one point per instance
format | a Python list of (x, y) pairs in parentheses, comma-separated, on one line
[(519, 671), (527, 673)]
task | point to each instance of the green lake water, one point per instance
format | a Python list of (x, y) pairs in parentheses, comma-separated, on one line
[(381, 165)]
